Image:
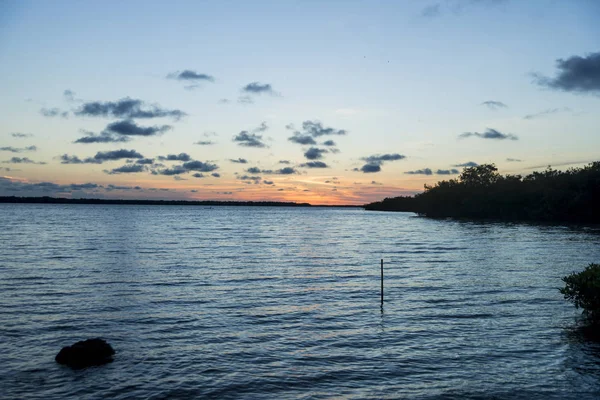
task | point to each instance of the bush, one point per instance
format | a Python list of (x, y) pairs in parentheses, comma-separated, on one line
[(583, 289)]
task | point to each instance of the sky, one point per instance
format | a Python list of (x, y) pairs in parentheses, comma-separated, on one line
[(326, 102)]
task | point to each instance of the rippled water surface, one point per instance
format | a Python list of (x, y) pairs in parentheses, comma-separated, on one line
[(257, 303)]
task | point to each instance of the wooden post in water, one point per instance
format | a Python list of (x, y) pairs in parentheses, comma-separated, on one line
[(382, 281)]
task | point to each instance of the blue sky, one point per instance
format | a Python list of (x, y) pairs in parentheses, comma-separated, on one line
[(402, 80)]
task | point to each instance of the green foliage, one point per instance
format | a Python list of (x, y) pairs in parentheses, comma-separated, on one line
[(481, 192), (583, 289)]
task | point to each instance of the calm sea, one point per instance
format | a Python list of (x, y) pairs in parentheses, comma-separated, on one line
[(283, 303)]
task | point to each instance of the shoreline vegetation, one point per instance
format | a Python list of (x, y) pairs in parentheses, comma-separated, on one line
[(64, 200), (482, 193)]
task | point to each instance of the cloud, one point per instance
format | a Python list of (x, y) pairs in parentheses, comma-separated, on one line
[(284, 162), (258, 88), (245, 100), (216, 174), (513, 160), (286, 171), (253, 170), (130, 128), (127, 169), (101, 157), (204, 142), (145, 161), (328, 143), (198, 175), (255, 179), (314, 164), (20, 135), (22, 160), (22, 188), (268, 182), (544, 113), (489, 134), (69, 95), (430, 11), (176, 170), (314, 153), (380, 158), (188, 75), (302, 139), (200, 166), (103, 137), (494, 105), (428, 171), (370, 168), (316, 129), (239, 161), (127, 108), (575, 74), (18, 149), (246, 139), (467, 164), (447, 172), (54, 112), (175, 157)]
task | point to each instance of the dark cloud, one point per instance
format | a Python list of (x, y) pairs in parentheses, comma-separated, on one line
[(22, 160), (424, 171), (513, 160), (428, 171), (239, 161), (494, 105), (314, 153), (370, 168), (575, 74), (103, 137), (204, 142), (126, 108), (101, 157), (286, 171), (314, 164), (249, 139), (130, 128), (328, 143), (145, 161), (176, 170), (253, 178), (190, 76), (467, 164), (117, 155), (127, 169), (316, 129), (302, 139), (200, 166), (253, 170), (549, 111), (54, 112), (198, 175), (18, 149), (258, 88), (381, 158), (284, 162), (111, 187), (268, 182), (20, 135), (175, 157), (489, 134), (447, 171), (216, 174)]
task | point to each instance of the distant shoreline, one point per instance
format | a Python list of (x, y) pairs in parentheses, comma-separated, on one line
[(215, 203)]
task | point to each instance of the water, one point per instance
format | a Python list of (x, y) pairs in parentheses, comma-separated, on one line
[(278, 303)]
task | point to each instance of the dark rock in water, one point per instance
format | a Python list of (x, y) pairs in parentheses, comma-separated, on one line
[(86, 353)]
